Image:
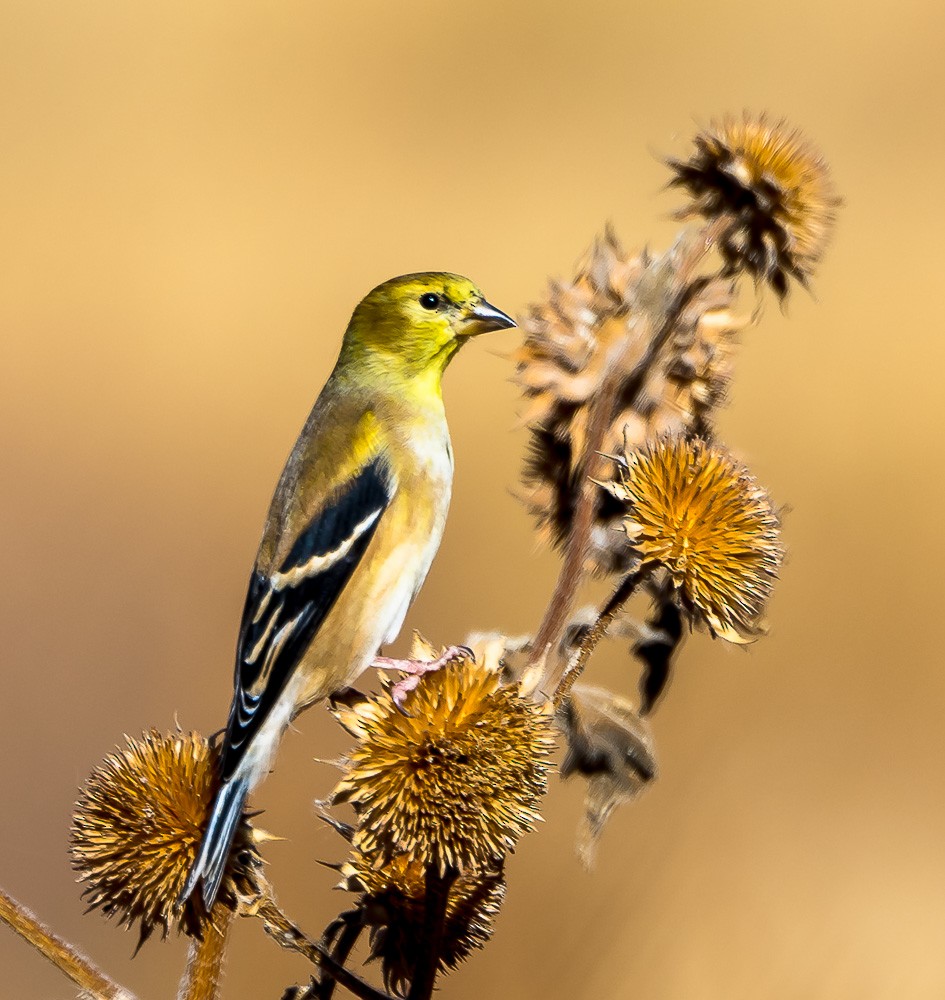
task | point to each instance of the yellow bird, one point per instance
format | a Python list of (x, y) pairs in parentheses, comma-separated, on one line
[(354, 524)]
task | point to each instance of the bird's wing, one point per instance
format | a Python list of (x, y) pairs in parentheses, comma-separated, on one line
[(285, 607)]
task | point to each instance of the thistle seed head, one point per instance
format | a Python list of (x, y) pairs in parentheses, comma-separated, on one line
[(770, 187), (454, 779), (692, 510), (137, 828)]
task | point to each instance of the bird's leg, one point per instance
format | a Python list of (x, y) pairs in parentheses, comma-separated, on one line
[(415, 669)]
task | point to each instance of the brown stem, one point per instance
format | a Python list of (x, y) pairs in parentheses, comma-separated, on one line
[(436, 898), (278, 926), (608, 613), (569, 579), (201, 980), (693, 249), (72, 964)]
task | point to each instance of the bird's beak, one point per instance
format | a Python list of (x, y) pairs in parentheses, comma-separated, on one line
[(484, 317)]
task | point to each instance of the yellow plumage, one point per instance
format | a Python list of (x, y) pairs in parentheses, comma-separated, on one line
[(353, 526)]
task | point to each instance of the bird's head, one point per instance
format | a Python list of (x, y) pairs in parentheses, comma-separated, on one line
[(414, 324)]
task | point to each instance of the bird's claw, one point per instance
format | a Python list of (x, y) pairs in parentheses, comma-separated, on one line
[(415, 669), (462, 653), (402, 688)]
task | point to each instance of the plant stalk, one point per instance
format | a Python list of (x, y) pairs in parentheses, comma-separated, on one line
[(281, 929), (436, 898), (557, 614), (607, 614), (571, 575), (202, 978), (67, 959)]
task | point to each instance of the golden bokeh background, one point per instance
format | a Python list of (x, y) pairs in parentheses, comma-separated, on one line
[(194, 196)]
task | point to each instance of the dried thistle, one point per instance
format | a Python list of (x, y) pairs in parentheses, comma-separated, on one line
[(454, 780), (509, 657), (393, 904), (658, 644), (137, 827), (611, 746), (772, 189), (693, 511), (601, 328)]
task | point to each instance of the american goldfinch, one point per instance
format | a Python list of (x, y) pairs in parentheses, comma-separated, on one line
[(354, 524)]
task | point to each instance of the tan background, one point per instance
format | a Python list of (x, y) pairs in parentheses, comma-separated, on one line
[(193, 198)]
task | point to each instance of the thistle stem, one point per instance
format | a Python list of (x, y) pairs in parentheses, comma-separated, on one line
[(69, 961), (569, 579), (693, 250), (281, 929), (436, 898), (607, 614), (201, 980)]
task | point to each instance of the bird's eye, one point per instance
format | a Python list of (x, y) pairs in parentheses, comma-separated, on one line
[(429, 300)]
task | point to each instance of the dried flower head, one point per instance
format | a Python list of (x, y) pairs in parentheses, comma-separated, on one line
[(452, 781), (695, 512), (610, 744), (770, 187), (393, 905), (137, 828), (603, 325)]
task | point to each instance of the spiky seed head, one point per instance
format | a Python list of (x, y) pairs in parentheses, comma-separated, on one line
[(771, 188), (600, 325), (393, 905), (694, 511), (137, 828), (454, 779)]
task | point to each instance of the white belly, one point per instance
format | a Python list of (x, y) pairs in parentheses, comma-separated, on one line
[(408, 568)]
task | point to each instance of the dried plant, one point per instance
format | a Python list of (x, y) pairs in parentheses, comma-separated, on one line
[(691, 510), (137, 827), (657, 644), (452, 780), (598, 328), (772, 191), (622, 369), (610, 745), (392, 902)]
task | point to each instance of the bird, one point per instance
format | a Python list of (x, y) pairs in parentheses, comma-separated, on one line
[(355, 521)]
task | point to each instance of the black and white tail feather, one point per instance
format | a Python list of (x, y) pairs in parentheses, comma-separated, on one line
[(217, 839), (283, 611)]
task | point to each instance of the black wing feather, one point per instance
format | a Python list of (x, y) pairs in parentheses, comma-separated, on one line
[(282, 613)]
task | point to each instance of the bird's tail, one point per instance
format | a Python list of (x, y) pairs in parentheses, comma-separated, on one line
[(217, 839)]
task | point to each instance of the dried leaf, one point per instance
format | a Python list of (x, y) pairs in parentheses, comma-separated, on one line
[(611, 746)]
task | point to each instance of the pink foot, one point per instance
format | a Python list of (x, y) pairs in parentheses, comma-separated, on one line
[(415, 669)]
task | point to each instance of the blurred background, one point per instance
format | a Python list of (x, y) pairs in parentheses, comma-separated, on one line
[(194, 196)]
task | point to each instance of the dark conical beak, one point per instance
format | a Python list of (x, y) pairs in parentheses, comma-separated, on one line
[(484, 318)]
